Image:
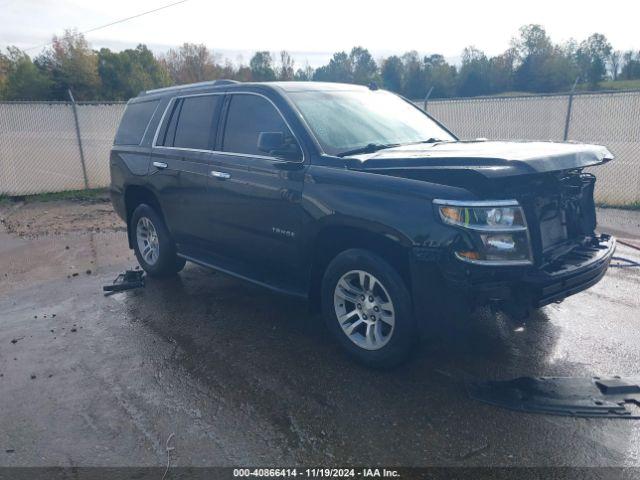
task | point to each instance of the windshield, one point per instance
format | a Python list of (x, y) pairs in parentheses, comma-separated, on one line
[(346, 121)]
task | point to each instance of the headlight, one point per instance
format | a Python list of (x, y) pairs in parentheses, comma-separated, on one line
[(498, 228)]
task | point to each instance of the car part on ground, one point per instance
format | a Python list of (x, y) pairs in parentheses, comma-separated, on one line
[(126, 281), (576, 397)]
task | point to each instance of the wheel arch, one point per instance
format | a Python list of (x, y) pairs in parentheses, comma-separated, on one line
[(332, 239), (135, 195)]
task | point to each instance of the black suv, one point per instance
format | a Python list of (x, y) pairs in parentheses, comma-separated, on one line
[(357, 200)]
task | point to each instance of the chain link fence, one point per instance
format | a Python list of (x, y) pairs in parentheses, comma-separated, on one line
[(607, 118), (43, 150)]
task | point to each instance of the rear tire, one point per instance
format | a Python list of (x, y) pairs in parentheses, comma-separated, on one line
[(152, 243), (367, 307)]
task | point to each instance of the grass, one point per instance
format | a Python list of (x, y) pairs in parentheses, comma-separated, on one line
[(620, 85), (73, 195), (628, 206)]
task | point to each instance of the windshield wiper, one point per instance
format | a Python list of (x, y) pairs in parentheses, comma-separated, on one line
[(370, 148), (430, 140)]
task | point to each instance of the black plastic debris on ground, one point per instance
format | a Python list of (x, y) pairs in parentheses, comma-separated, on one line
[(126, 281), (577, 397)]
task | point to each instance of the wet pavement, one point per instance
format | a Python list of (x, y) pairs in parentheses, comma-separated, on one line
[(242, 376)]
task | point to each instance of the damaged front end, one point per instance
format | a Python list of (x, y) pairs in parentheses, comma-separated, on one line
[(566, 255)]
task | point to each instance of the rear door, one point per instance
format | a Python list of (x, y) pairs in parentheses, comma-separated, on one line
[(182, 163)]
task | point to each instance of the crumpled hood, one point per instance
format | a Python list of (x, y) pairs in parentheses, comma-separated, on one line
[(492, 159)]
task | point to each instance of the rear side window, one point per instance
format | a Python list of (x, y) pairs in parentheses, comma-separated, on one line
[(196, 122), (248, 116), (134, 122)]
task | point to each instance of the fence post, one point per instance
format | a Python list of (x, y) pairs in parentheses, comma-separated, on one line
[(567, 121), (75, 117), (426, 99)]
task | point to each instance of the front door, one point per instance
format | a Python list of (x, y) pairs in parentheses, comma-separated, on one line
[(258, 209)]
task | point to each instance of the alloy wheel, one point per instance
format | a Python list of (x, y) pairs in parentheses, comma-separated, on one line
[(148, 242), (364, 309)]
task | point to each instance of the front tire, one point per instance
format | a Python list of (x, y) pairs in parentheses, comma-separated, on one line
[(152, 243), (367, 307)]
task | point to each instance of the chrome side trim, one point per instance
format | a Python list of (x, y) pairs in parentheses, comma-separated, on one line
[(209, 83), (220, 175), (479, 228), (220, 152), (477, 203), (164, 114), (495, 263)]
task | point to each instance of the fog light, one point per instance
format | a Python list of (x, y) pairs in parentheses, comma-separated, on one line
[(501, 243)]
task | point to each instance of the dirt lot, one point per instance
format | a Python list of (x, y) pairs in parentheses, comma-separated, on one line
[(58, 217), (241, 376)]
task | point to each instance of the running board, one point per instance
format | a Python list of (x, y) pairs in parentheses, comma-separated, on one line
[(234, 273)]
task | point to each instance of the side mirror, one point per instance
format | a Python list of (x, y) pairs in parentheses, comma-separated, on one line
[(277, 145)]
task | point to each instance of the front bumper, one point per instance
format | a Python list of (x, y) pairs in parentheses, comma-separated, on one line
[(526, 286), (576, 271)]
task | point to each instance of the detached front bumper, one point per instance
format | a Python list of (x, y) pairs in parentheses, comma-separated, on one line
[(522, 286)]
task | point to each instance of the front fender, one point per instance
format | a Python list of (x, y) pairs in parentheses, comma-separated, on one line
[(398, 208)]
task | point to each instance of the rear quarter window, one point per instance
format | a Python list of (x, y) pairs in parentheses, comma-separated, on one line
[(134, 122)]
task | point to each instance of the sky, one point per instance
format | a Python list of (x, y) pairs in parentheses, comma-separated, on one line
[(312, 31)]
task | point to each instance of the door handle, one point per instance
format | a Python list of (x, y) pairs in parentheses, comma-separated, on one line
[(160, 165), (220, 175)]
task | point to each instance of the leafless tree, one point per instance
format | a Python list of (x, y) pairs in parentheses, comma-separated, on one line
[(286, 69)]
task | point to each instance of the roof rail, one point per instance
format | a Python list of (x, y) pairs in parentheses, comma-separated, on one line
[(209, 83)]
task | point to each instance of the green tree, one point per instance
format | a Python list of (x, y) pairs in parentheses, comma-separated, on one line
[(591, 57), (71, 64), (415, 83), (127, 73), (630, 65), (261, 65), (337, 70), (5, 66), (501, 71), (392, 73), (363, 67), (473, 78), (23, 79), (440, 75), (540, 65)]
